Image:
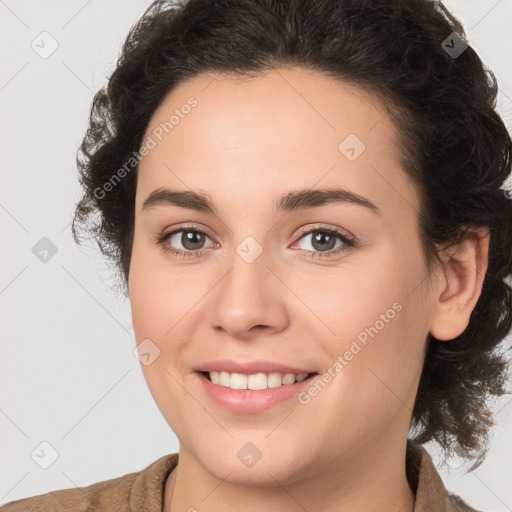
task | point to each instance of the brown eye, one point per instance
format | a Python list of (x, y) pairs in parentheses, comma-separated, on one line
[(190, 239), (323, 240)]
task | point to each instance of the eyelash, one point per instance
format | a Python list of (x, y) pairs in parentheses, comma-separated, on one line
[(349, 243)]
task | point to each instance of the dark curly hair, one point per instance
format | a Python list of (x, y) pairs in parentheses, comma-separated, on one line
[(455, 149)]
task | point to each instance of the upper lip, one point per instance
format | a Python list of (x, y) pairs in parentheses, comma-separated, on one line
[(249, 367)]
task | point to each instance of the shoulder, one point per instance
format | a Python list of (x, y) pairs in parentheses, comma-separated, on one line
[(458, 505), (427, 484), (103, 495), (114, 495)]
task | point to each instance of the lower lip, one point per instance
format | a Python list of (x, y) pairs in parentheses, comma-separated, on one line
[(250, 401)]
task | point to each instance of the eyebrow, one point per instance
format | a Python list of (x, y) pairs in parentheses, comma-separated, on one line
[(292, 201)]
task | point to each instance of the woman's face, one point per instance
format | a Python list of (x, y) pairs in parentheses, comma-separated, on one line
[(264, 289)]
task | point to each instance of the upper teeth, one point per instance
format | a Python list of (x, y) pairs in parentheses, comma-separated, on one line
[(255, 381)]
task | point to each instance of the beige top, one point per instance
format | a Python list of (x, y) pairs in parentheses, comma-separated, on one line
[(143, 491)]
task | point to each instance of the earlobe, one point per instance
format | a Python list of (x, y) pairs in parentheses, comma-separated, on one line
[(463, 272)]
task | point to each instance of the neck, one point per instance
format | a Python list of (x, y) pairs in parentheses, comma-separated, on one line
[(369, 482)]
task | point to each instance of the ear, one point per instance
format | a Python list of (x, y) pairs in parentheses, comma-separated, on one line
[(459, 284)]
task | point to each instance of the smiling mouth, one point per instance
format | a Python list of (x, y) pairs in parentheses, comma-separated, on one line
[(255, 381)]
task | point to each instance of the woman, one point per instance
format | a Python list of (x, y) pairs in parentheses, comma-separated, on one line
[(304, 201)]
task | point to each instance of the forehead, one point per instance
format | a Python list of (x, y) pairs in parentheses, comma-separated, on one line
[(256, 134), (293, 102)]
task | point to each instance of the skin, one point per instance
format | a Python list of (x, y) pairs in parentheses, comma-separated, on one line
[(245, 144)]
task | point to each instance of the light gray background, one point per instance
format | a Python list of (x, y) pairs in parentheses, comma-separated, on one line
[(68, 374)]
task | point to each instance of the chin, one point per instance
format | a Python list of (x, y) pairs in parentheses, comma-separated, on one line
[(242, 462)]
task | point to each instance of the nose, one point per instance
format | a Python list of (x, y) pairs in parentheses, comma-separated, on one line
[(249, 300)]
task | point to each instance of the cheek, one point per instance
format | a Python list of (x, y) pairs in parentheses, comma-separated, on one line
[(372, 378), (380, 343), (158, 311), (156, 293), (165, 302)]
